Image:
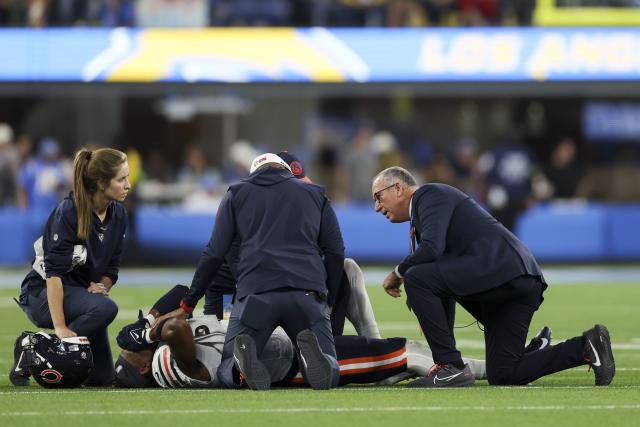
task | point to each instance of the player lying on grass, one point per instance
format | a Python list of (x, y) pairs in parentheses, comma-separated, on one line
[(190, 350), (189, 353), (362, 360)]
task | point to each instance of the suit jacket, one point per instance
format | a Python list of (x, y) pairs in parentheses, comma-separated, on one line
[(471, 250)]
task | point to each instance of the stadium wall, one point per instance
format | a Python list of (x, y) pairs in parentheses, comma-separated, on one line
[(555, 232)]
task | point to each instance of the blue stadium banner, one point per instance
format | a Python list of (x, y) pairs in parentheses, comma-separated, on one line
[(239, 55)]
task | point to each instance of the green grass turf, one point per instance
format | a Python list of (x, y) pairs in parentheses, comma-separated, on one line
[(566, 398)]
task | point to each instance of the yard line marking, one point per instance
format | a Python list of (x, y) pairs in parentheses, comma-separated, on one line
[(577, 370), (327, 410), (478, 344), (350, 389)]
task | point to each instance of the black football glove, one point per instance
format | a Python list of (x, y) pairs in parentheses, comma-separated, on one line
[(133, 337)]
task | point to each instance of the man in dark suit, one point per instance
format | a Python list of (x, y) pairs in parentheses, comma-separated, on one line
[(283, 227), (465, 255)]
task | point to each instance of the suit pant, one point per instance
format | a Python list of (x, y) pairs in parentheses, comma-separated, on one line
[(505, 312), (258, 315), (86, 314)]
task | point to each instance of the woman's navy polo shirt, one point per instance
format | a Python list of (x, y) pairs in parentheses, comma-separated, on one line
[(104, 246)]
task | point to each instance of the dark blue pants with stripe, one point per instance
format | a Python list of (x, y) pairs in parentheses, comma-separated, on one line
[(258, 315)]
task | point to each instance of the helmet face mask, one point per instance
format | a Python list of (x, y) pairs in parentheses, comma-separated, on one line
[(56, 363)]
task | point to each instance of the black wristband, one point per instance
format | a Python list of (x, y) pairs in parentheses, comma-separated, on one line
[(159, 329)]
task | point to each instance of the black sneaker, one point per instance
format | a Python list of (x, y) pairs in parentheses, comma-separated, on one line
[(252, 371), (19, 373), (540, 341), (445, 376), (316, 368), (598, 354)]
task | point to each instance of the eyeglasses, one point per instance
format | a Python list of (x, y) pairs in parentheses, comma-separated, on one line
[(376, 195)]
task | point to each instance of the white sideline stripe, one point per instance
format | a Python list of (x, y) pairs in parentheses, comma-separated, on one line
[(328, 410), (479, 344), (163, 277), (577, 370), (364, 388), (362, 365)]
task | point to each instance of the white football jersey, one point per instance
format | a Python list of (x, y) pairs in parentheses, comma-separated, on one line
[(209, 334)]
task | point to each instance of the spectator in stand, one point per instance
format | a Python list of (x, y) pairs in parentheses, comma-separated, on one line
[(359, 165), (157, 168), (8, 166), (37, 13), (407, 13), (5, 13), (272, 13), (237, 166), (440, 169), (24, 150), (117, 13), (195, 172), (69, 13), (201, 182), (349, 13), (440, 12), (385, 144), (516, 12), (478, 13), (508, 169), (563, 171), (43, 180), (325, 139), (465, 165)]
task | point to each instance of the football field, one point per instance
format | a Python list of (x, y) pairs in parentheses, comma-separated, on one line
[(567, 398)]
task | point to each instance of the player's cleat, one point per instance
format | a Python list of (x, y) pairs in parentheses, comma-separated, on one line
[(252, 371), (598, 354), (316, 368), (445, 376), (19, 374), (540, 341)]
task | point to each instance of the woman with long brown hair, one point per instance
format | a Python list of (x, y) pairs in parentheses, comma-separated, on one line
[(78, 258)]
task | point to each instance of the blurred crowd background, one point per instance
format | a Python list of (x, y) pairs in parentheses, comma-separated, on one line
[(291, 13), (507, 154), (186, 145), (288, 13)]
